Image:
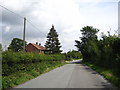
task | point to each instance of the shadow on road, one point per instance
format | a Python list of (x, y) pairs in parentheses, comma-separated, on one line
[(79, 62), (82, 67)]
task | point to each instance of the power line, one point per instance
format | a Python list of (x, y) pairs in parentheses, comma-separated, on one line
[(35, 27), (23, 18), (11, 11)]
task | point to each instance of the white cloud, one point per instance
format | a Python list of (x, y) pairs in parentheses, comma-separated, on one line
[(96, 1), (68, 16)]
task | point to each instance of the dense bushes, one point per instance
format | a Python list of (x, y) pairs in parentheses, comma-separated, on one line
[(70, 55), (18, 67), (27, 72), (20, 57), (109, 51), (13, 62), (104, 52)]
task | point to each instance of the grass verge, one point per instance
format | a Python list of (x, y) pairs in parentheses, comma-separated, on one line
[(107, 73), (20, 77)]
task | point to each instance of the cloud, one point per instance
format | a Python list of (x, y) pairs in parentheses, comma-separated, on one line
[(96, 1), (105, 16), (68, 17), (10, 18)]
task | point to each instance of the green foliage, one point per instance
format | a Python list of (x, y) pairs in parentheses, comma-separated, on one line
[(107, 73), (16, 45), (103, 53), (72, 55), (88, 33), (0, 47), (18, 67), (13, 62), (110, 53), (15, 79), (52, 42), (88, 39), (31, 71)]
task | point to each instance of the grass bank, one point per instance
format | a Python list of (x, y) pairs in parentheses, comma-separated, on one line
[(107, 73), (23, 76), (20, 67)]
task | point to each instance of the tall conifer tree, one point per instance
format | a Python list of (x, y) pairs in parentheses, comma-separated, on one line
[(52, 42)]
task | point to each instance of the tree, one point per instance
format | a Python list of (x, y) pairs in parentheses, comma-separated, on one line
[(16, 45), (0, 47), (73, 55), (52, 42), (104, 53), (88, 43)]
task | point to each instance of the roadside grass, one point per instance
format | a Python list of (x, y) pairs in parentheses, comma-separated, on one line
[(19, 67), (107, 73), (20, 77)]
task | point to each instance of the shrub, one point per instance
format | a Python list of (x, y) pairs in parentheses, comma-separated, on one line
[(18, 67), (72, 55), (18, 61)]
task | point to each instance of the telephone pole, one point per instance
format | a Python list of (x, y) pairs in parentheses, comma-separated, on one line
[(24, 34), (119, 19)]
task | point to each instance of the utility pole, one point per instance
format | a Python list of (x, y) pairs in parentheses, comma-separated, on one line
[(24, 34), (119, 19)]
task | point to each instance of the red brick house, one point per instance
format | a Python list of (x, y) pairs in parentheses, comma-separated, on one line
[(31, 47)]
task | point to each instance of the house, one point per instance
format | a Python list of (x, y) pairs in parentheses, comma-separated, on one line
[(31, 47)]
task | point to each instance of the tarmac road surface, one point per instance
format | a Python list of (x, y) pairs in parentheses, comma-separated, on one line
[(71, 75)]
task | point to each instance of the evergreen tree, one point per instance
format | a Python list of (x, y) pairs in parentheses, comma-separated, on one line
[(52, 42)]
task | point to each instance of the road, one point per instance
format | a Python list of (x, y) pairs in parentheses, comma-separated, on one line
[(72, 75)]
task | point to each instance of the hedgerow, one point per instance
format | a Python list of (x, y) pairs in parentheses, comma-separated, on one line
[(104, 53), (18, 67)]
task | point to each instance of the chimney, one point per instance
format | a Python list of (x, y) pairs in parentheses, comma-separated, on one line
[(39, 44), (36, 43)]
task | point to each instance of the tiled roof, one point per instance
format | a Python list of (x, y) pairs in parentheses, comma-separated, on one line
[(38, 46)]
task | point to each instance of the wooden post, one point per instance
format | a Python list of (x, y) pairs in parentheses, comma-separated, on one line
[(24, 34)]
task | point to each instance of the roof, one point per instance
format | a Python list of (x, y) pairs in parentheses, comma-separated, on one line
[(38, 46)]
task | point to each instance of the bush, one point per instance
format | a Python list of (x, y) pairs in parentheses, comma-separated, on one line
[(104, 52), (72, 55), (18, 67), (18, 61)]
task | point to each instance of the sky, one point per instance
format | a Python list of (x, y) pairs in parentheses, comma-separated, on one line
[(67, 16)]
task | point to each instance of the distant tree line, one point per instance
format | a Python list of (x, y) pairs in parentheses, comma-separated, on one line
[(104, 52), (70, 55)]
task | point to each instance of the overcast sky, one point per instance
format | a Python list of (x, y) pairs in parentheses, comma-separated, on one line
[(68, 17)]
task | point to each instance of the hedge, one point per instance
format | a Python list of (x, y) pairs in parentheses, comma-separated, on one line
[(13, 62)]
